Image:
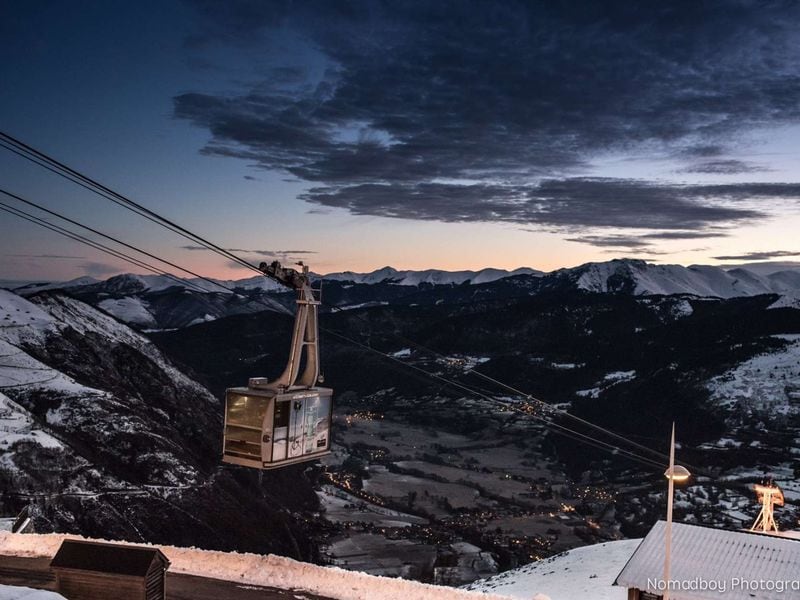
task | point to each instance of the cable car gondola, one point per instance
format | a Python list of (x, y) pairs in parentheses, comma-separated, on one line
[(271, 424)]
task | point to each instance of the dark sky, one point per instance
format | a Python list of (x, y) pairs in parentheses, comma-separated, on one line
[(420, 134)]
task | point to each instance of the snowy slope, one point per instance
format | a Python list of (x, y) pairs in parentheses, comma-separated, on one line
[(787, 300), (129, 310), (586, 572), (642, 278), (51, 326), (21, 320), (769, 382), (18, 425)]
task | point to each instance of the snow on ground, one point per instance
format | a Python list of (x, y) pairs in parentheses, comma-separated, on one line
[(269, 571), (19, 370), (586, 572), (341, 507), (130, 310), (682, 309), (765, 382), (8, 592), (566, 366), (788, 300), (377, 555), (362, 305), (17, 425), (21, 320), (86, 319), (206, 318), (609, 380), (620, 376)]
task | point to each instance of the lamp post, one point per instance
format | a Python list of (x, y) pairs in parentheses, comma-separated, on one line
[(673, 473)]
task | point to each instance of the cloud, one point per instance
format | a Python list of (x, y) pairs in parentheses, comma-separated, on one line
[(724, 167), (463, 111), (685, 235), (611, 241), (564, 203), (97, 269), (768, 255), (259, 252), (643, 243)]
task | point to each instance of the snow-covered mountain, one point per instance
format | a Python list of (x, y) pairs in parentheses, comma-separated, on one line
[(31, 288), (633, 276), (638, 277), (160, 302), (96, 420), (132, 283), (429, 276)]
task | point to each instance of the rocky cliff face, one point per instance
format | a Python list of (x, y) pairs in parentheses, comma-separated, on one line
[(106, 437)]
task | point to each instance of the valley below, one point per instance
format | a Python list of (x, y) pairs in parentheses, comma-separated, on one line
[(477, 427)]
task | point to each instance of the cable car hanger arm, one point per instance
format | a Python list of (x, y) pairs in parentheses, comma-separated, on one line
[(291, 278), (305, 336)]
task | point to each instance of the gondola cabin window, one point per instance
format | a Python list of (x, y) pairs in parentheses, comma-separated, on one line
[(268, 429)]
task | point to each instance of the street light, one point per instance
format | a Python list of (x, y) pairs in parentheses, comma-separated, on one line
[(674, 473)]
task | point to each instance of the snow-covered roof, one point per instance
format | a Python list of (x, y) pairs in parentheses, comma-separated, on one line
[(726, 563)]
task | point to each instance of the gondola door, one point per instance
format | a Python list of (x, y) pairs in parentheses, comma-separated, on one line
[(296, 427)]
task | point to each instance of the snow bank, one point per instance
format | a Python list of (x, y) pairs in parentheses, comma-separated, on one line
[(586, 572), (8, 592), (269, 571)]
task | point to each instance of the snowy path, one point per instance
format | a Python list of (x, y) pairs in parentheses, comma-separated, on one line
[(270, 571), (35, 573)]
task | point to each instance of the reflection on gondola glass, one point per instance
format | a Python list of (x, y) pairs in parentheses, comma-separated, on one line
[(244, 419)]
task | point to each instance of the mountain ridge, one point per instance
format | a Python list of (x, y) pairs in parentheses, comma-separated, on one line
[(157, 302)]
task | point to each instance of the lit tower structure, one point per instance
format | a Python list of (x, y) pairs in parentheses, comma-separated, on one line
[(769, 496)]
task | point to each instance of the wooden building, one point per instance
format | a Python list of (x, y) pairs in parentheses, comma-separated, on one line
[(95, 571), (714, 564)]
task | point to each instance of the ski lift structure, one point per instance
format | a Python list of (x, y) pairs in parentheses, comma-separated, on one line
[(770, 496), (272, 424)]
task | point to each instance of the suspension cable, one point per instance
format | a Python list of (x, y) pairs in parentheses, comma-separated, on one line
[(54, 166)]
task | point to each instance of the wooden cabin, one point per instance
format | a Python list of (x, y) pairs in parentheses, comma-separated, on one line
[(714, 564), (94, 571)]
